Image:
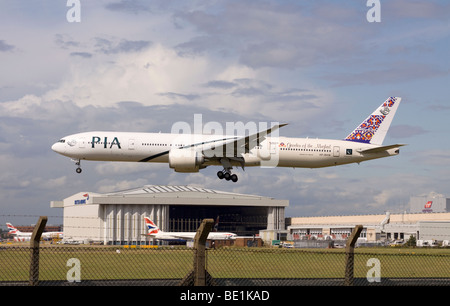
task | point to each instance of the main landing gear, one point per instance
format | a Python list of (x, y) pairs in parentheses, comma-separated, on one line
[(226, 174)]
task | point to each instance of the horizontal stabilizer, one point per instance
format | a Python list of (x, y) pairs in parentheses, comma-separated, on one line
[(381, 149)]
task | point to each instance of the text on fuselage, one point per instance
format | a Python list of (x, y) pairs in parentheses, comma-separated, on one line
[(97, 140)]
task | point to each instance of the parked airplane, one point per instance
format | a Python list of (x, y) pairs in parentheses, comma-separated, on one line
[(155, 232), (21, 236), (192, 152)]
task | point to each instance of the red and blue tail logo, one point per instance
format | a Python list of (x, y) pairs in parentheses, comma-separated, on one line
[(151, 226), (12, 229)]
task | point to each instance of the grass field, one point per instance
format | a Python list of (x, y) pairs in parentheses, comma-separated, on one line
[(115, 262)]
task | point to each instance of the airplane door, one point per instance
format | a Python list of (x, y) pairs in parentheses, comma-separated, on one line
[(267, 150), (273, 148), (336, 151), (131, 145)]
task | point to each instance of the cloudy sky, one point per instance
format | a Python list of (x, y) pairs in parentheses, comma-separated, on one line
[(135, 65)]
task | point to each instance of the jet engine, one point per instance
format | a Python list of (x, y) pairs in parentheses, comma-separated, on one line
[(185, 160)]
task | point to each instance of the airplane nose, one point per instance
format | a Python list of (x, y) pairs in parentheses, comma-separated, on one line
[(58, 147)]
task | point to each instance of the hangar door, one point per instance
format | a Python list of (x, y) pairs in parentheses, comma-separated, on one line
[(242, 220)]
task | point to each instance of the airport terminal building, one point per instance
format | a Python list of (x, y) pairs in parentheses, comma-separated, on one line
[(118, 217), (428, 219)]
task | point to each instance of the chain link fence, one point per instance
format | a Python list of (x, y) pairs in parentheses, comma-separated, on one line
[(53, 264), (226, 266)]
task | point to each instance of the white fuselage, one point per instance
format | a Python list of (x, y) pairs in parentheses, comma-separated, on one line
[(192, 152), (191, 235), (155, 147), (21, 236)]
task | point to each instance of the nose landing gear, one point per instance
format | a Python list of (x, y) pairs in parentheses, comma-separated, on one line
[(77, 163)]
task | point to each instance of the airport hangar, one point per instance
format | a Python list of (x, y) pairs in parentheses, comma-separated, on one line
[(118, 218)]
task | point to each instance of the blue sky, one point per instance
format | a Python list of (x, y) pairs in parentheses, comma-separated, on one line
[(135, 65)]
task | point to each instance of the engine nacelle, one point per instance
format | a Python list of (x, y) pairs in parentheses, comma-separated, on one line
[(185, 160)]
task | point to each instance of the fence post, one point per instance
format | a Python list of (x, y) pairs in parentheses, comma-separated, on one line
[(34, 245), (198, 275), (350, 255), (199, 252)]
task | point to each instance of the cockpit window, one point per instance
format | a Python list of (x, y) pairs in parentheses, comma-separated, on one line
[(62, 141)]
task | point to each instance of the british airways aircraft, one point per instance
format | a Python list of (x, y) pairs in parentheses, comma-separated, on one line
[(21, 236), (192, 152), (155, 232)]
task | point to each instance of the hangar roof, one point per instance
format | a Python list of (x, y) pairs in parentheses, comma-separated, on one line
[(162, 189), (183, 195)]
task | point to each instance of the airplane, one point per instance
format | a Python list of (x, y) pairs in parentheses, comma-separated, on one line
[(192, 152), (155, 232), (21, 236)]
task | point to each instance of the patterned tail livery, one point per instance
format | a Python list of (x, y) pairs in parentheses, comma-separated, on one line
[(374, 128), (151, 226)]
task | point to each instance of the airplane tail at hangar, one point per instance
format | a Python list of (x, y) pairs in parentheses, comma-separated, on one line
[(373, 130), (151, 226)]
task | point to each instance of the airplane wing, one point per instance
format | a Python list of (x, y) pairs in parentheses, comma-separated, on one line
[(236, 146), (172, 236), (381, 149), (212, 235), (229, 147), (255, 139), (185, 236)]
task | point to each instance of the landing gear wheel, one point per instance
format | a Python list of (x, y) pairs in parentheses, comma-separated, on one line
[(77, 163), (226, 173), (227, 176)]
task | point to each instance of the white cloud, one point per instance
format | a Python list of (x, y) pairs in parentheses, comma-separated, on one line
[(141, 66), (157, 75), (138, 77), (50, 183)]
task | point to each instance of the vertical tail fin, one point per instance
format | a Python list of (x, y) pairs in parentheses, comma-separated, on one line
[(151, 226), (216, 225), (373, 130), (12, 229)]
